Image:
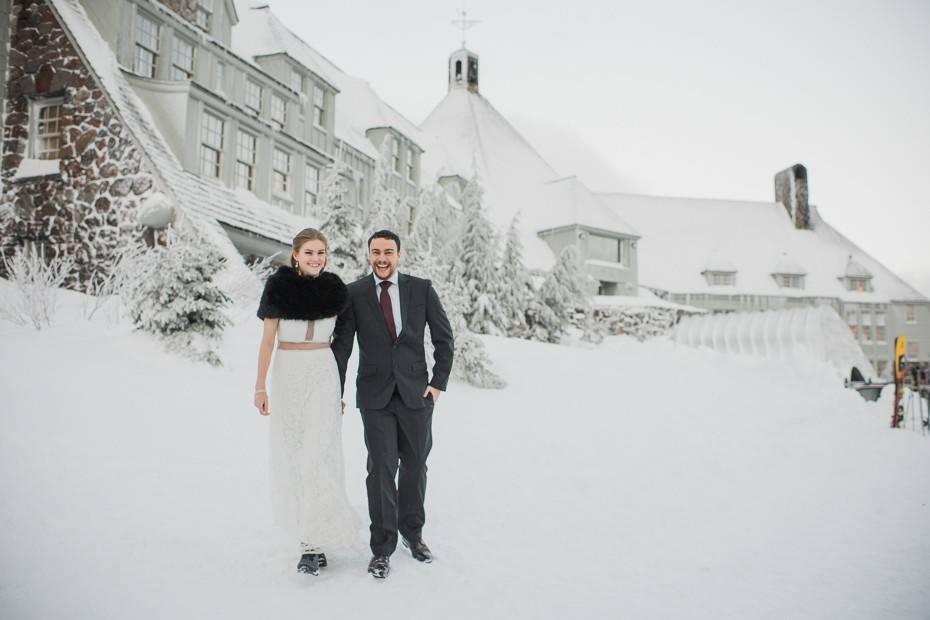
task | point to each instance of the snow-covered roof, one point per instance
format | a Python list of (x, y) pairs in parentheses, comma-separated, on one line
[(680, 235), (644, 299), (358, 106), (210, 201), (787, 265), (466, 134)]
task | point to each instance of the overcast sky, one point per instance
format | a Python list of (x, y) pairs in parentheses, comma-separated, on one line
[(703, 99)]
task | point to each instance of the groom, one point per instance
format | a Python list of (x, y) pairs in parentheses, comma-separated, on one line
[(388, 311)]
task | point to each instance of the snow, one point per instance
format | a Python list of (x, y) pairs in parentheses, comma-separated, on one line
[(627, 480), (466, 133), (681, 236), (30, 168), (644, 299)]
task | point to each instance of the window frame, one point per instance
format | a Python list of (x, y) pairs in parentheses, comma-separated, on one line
[(319, 108), (252, 87), (35, 108), (205, 12), (312, 195), (141, 19), (178, 72), (275, 100), (216, 150), (242, 163), (282, 189)]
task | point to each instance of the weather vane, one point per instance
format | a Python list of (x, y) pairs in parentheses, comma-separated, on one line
[(464, 23)]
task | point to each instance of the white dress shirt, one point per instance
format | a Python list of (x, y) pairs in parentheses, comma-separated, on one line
[(394, 294)]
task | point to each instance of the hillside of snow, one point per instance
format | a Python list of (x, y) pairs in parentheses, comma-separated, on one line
[(630, 480)]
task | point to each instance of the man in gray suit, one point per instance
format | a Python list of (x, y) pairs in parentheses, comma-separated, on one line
[(388, 312)]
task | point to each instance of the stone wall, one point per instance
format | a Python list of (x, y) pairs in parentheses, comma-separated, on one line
[(83, 210)]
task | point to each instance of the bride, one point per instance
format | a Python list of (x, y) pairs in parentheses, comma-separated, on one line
[(299, 305)]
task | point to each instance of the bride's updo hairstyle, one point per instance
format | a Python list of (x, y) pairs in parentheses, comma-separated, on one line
[(309, 234)]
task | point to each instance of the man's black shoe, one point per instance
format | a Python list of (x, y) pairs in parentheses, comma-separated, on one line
[(418, 550), (309, 564), (379, 566)]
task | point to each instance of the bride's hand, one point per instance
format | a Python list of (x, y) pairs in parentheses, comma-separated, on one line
[(261, 402), (343, 407)]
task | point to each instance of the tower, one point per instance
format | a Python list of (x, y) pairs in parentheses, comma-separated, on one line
[(463, 70)]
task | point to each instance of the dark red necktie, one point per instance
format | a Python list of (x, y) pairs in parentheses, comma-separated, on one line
[(388, 310)]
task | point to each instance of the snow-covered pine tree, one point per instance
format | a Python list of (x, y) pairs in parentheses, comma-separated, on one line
[(474, 268), (516, 290), (563, 292), (170, 293), (385, 201), (341, 225), (472, 364)]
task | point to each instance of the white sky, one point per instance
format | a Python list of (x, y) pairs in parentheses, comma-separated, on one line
[(703, 99)]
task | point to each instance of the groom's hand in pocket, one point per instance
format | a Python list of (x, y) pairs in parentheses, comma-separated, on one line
[(431, 392)]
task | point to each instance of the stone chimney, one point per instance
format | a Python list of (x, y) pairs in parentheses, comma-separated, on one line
[(791, 191)]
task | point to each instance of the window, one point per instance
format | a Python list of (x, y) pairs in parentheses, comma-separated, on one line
[(278, 111), (45, 129), (863, 285), (281, 166), (880, 333), (204, 14), (245, 160), (789, 280), (395, 155), (912, 351), (880, 367), (854, 330), (319, 118), (866, 332), (182, 60), (910, 313), (211, 145), (604, 248), (147, 34), (410, 156), (720, 278), (296, 81), (220, 77), (311, 186), (253, 96)]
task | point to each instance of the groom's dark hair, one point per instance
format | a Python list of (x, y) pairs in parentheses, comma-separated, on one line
[(385, 234)]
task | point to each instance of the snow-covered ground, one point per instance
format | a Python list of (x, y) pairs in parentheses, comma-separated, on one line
[(631, 480)]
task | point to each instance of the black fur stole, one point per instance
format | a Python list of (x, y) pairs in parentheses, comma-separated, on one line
[(288, 295)]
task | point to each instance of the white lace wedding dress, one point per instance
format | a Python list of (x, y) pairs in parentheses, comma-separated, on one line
[(307, 470)]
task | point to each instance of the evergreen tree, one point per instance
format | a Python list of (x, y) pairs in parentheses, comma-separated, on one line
[(563, 293), (474, 268), (341, 225), (516, 289), (171, 293)]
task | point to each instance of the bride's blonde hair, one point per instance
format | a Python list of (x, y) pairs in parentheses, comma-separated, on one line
[(309, 234)]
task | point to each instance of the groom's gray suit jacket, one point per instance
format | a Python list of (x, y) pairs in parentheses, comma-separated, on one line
[(382, 365)]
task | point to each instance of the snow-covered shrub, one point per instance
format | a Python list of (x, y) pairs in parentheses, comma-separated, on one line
[(516, 290), (34, 291), (640, 322), (169, 291)]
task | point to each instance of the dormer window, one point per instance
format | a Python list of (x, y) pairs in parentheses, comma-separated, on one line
[(720, 278), (395, 155), (296, 81), (204, 15), (789, 280), (859, 284)]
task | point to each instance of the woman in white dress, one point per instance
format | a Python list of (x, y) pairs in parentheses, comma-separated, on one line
[(299, 307)]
